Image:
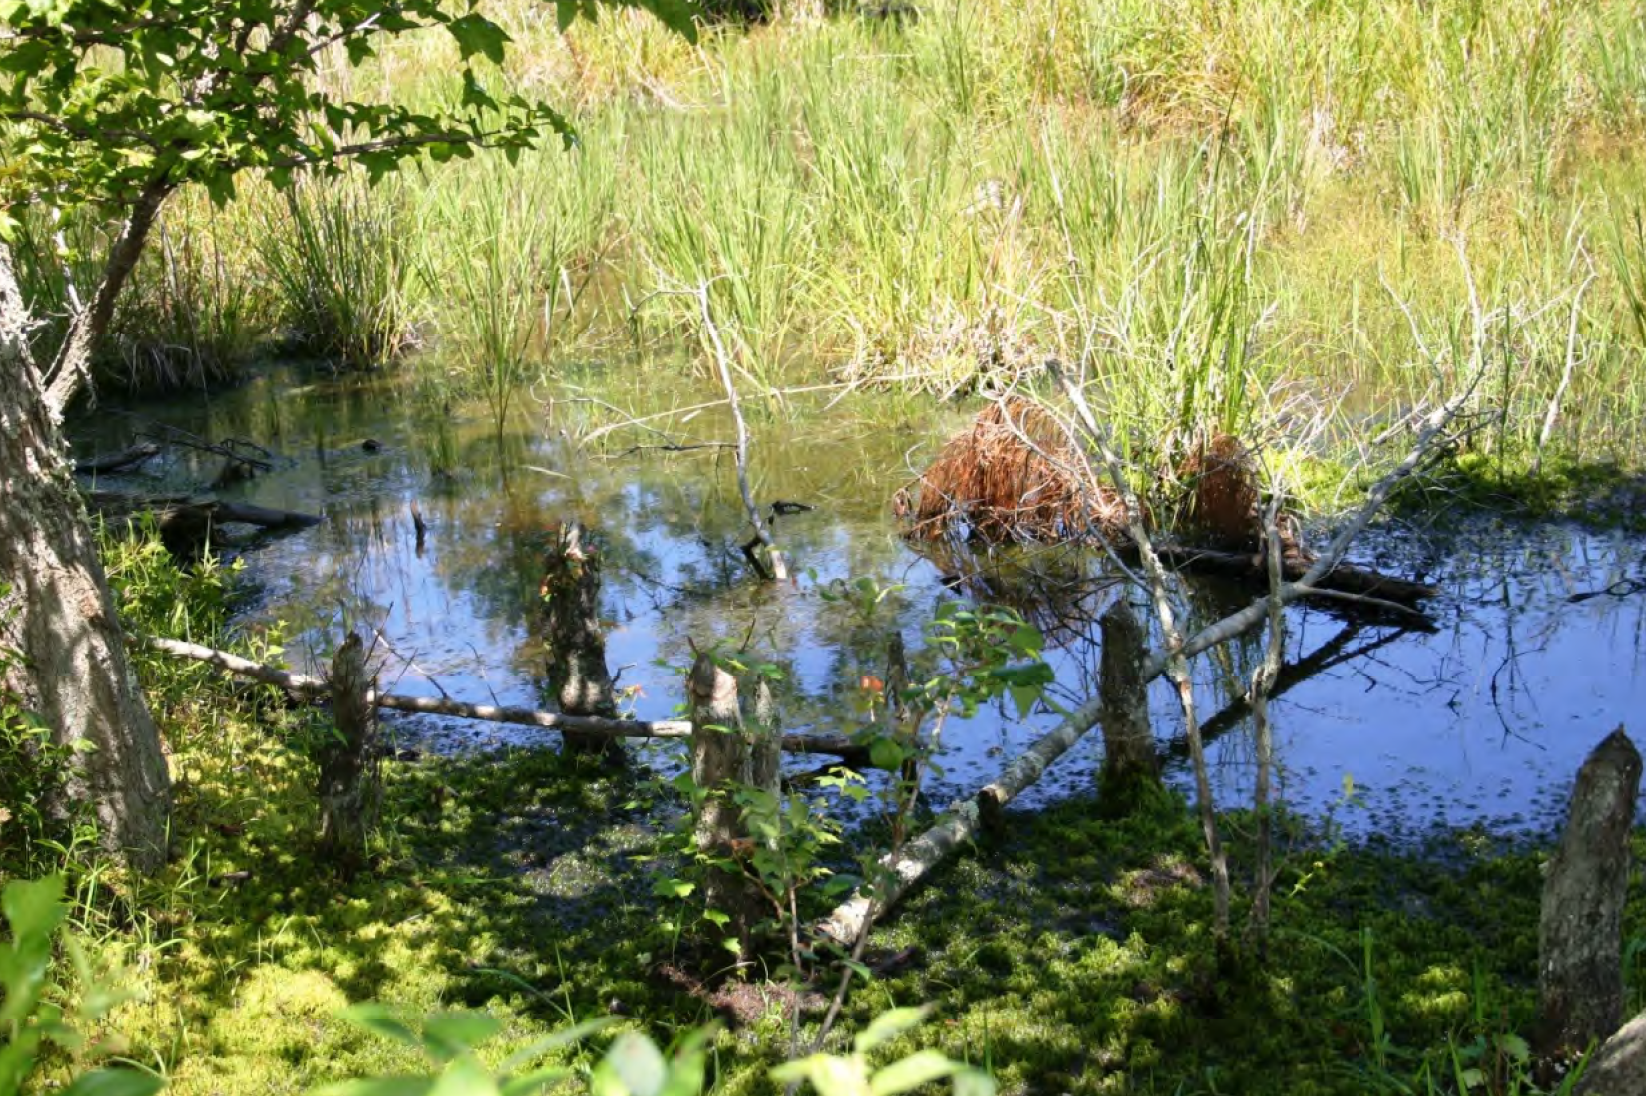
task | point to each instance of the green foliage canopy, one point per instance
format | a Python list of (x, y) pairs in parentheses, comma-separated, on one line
[(102, 101)]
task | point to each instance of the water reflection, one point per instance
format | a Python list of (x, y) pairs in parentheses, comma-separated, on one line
[(1486, 717)]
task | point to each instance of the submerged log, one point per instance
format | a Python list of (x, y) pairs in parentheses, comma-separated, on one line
[(726, 757), (109, 463), (307, 687), (577, 669), (1580, 933), (349, 775), (186, 523), (1344, 578)]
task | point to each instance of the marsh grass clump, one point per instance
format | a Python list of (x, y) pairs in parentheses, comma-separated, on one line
[(340, 254)]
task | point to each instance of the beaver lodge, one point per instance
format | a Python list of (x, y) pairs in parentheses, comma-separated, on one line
[(1017, 475)]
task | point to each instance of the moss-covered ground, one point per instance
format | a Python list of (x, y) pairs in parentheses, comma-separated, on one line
[(1068, 954)]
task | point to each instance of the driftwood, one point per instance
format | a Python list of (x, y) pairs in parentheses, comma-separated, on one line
[(1580, 933), (963, 819), (1344, 578), (306, 687), (349, 772)]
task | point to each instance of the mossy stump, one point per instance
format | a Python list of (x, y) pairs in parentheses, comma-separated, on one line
[(350, 783), (577, 673), (727, 756), (1130, 776), (1580, 932)]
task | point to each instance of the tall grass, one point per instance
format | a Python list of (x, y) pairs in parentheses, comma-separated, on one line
[(1209, 203), (340, 255)]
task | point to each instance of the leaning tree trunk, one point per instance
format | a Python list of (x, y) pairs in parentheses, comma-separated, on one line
[(59, 616)]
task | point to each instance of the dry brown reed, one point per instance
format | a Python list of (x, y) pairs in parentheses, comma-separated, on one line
[(1014, 474), (1222, 494)]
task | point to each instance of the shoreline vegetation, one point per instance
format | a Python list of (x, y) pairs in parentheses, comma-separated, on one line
[(1239, 218), (1299, 226)]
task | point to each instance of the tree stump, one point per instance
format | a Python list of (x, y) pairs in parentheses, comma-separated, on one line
[(350, 786), (1131, 767), (724, 757), (1580, 934), (577, 672)]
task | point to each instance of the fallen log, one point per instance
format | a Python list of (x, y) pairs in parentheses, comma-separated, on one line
[(1345, 578), (186, 522), (126, 458), (307, 687)]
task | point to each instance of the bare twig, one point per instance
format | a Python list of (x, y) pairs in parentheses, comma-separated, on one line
[(722, 360)]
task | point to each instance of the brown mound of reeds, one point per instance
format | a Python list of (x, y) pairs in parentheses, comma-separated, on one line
[(1222, 501), (1015, 474)]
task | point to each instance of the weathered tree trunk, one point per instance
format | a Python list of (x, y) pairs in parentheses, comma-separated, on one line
[(59, 616), (577, 648), (1580, 935), (1131, 767), (86, 330), (1618, 1068), (350, 789), (724, 756)]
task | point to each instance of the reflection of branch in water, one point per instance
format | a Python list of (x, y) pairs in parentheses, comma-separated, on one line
[(1053, 587), (1334, 652), (1511, 662)]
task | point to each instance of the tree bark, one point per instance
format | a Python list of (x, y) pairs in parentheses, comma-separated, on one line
[(1580, 934), (1131, 767), (59, 615), (86, 330)]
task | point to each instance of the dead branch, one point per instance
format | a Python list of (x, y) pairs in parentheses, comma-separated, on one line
[(309, 688)]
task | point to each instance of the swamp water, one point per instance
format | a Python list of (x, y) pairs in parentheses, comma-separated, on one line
[(1383, 730)]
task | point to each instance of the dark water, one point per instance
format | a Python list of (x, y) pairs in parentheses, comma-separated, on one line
[(1485, 719)]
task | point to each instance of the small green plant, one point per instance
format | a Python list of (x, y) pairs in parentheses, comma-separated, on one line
[(851, 1075), (35, 911), (632, 1067)]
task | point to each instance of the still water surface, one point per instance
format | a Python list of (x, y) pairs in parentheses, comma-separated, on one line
[(1483, 720)]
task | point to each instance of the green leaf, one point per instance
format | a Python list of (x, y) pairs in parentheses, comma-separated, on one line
[(885, 753), (378, 1086), (531, 1083), (887, 1026), (973, 1082), (564, 1037), (830, 1075), (34, 908), (477, 34), (632, 1067), (912, 1072), (379, 1019), (114, 1082), (464, 1077), (449, 1034)]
